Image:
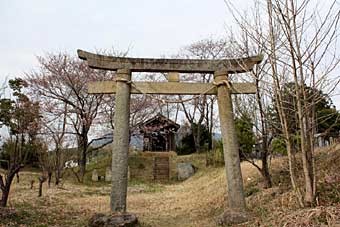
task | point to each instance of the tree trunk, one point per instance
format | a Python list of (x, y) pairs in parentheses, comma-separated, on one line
[(5, 185), (40, 189), (196, 133), (4, 197), (82, 168), (57, 175), (278, 101), (57, 167), (83, 156), (265, 171), (49, 174), (264, 130), (299, 80), (210, 116), (309, 196), (291, 158)]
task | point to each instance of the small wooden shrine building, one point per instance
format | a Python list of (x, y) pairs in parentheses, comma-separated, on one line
[(159, 134)]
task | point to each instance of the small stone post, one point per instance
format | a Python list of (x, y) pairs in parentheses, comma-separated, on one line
[(236, 197), (94, 175), (42, 179), (108, 174), (121, 142)]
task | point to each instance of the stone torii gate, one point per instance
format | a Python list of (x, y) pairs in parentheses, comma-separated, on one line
[(122, 87)]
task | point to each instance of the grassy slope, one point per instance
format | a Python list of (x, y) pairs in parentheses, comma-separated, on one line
[(195, 202)]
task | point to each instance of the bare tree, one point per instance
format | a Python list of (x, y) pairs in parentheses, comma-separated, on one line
[(54, 126), (46, 164), (305, 53), (63, 79), (200, 111), (301, 43)]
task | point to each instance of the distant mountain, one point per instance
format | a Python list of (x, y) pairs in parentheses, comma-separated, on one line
[(136, 141), (106, 139)]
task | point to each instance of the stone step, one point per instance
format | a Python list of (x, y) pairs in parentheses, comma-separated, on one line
[(161, 171)]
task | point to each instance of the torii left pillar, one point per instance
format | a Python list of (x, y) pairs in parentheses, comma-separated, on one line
[(120, 148)]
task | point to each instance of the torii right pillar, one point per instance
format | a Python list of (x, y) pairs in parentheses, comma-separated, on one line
[(236, 199)]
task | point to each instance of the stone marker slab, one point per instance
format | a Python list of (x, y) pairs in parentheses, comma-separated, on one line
[(94, 175), (108, 174)]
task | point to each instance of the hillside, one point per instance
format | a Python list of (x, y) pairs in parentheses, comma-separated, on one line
[(195, 202)]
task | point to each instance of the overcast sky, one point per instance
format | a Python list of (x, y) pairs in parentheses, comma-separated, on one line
[(148, 28)]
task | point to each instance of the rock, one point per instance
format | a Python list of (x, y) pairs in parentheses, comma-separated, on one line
[(97, 220), (185, 170), (94, 175), (108, 174), (233, 217), (114, 220)]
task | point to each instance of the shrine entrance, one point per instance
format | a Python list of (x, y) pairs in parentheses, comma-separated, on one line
[(123, 86)]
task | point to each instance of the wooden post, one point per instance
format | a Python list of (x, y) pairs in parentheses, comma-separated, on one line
[(121, 142), (236, 197)]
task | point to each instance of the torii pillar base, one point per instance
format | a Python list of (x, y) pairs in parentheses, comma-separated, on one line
[(114, 220)]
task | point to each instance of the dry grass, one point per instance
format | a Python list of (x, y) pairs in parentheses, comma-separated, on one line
[(197, 201)]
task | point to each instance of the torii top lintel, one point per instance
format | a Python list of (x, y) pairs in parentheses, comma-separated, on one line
[(236, 65)]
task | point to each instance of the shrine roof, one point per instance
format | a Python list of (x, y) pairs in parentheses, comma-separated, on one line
[(158, 122)]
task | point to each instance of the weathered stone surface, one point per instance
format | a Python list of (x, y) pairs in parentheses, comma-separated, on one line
[(114, 220), (94, 175), (141, 165), (236, 65), (233, 217), (169, 88), (236, 198), (120, 148), (108, 174), (185, 170)]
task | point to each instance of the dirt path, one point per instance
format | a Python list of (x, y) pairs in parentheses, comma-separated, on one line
[(194, 202)]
